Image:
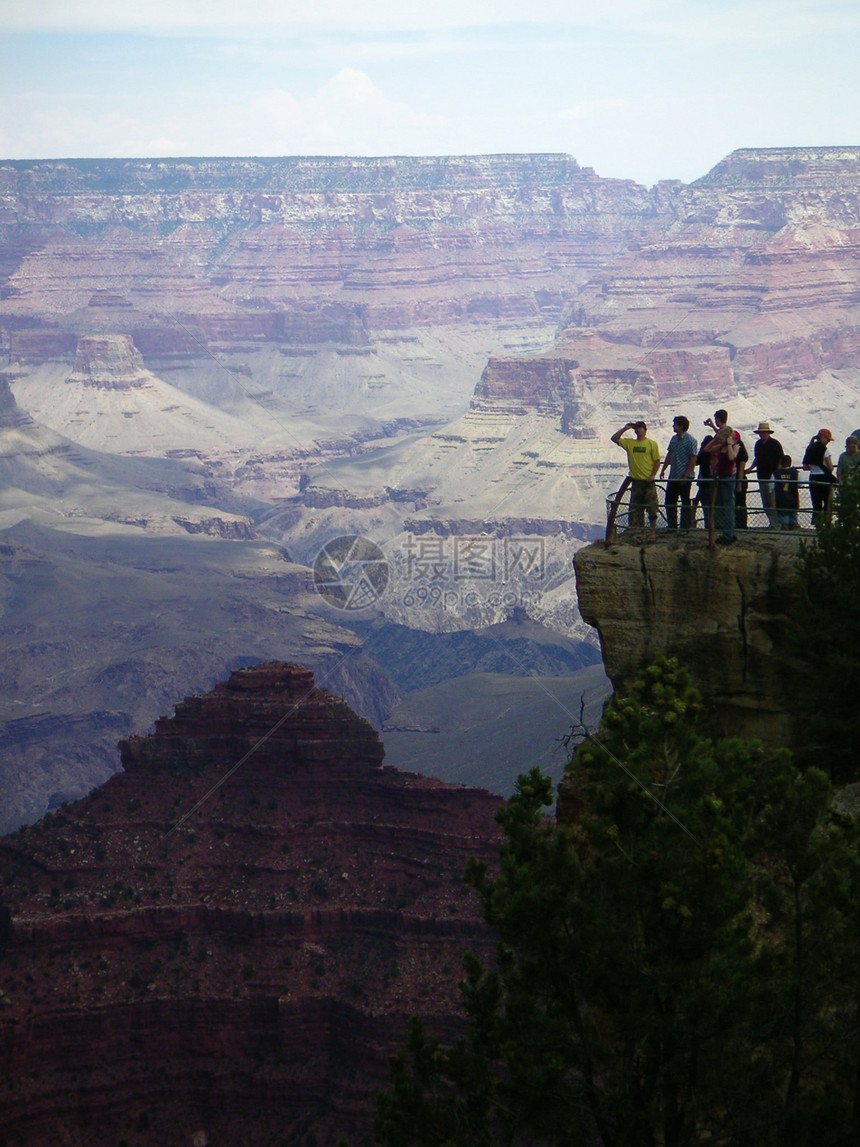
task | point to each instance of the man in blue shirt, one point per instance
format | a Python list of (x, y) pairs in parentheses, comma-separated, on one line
[(680, 461)]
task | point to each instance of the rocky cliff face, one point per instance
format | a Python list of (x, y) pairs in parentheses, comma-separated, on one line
[(303, 251), (751, 283), (725, 615), (322, 303), (227, 938), (109, 361)]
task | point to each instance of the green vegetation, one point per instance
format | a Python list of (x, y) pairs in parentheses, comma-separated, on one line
[(828, 621), (675, 964)]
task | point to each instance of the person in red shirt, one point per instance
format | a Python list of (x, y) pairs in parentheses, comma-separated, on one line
[(724, 450)]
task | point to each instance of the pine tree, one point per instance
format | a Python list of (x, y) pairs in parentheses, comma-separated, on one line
[(828, 626), (675, 964)]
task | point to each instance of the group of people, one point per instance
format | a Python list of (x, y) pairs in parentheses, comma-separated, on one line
[(724, 466)]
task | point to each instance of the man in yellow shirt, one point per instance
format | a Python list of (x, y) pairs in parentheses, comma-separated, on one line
[(643, 459)]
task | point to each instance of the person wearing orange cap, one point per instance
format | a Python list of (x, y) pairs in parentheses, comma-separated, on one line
[(818, 462)]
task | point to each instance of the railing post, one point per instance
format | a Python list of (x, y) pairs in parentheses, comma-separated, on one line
[(613, 509)]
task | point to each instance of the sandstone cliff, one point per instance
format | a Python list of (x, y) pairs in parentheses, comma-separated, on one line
[(750, 283), (299, 252), (229, 936), (724, 614)]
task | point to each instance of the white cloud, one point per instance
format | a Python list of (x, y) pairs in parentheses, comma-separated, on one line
[(348, 114), (41, 126)]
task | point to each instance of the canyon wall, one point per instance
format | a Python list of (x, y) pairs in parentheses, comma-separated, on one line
[(228, 937), (745, 279), (752, 282), (329, 290), (298, 251), (739, 291), (312, 306)]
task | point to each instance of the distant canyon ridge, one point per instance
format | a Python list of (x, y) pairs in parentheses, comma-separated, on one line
[(268, 316), (212, 367)]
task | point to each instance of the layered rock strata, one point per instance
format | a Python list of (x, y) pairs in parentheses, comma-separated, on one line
[(226, 939), (111, 362), (750, 282), (739, 291), (304, 251), (309, 305), (726, 615)]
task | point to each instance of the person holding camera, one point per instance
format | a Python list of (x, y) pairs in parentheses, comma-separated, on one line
[(724, 449)]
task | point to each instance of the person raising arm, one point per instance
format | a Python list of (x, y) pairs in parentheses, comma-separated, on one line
[(643, 460)]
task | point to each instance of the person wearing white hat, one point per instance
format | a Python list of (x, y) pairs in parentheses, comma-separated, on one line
[(766, 456)]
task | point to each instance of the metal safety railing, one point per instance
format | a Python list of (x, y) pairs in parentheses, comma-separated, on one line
[(754, 505)]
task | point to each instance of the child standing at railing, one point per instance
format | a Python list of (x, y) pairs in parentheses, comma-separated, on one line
[(786, 493)]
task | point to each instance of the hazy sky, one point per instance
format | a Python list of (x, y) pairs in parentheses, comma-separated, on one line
[(641, 89)]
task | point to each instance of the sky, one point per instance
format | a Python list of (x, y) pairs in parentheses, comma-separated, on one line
[(636, 89)]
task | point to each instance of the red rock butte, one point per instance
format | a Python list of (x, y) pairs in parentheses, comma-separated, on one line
[(198, 948)]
